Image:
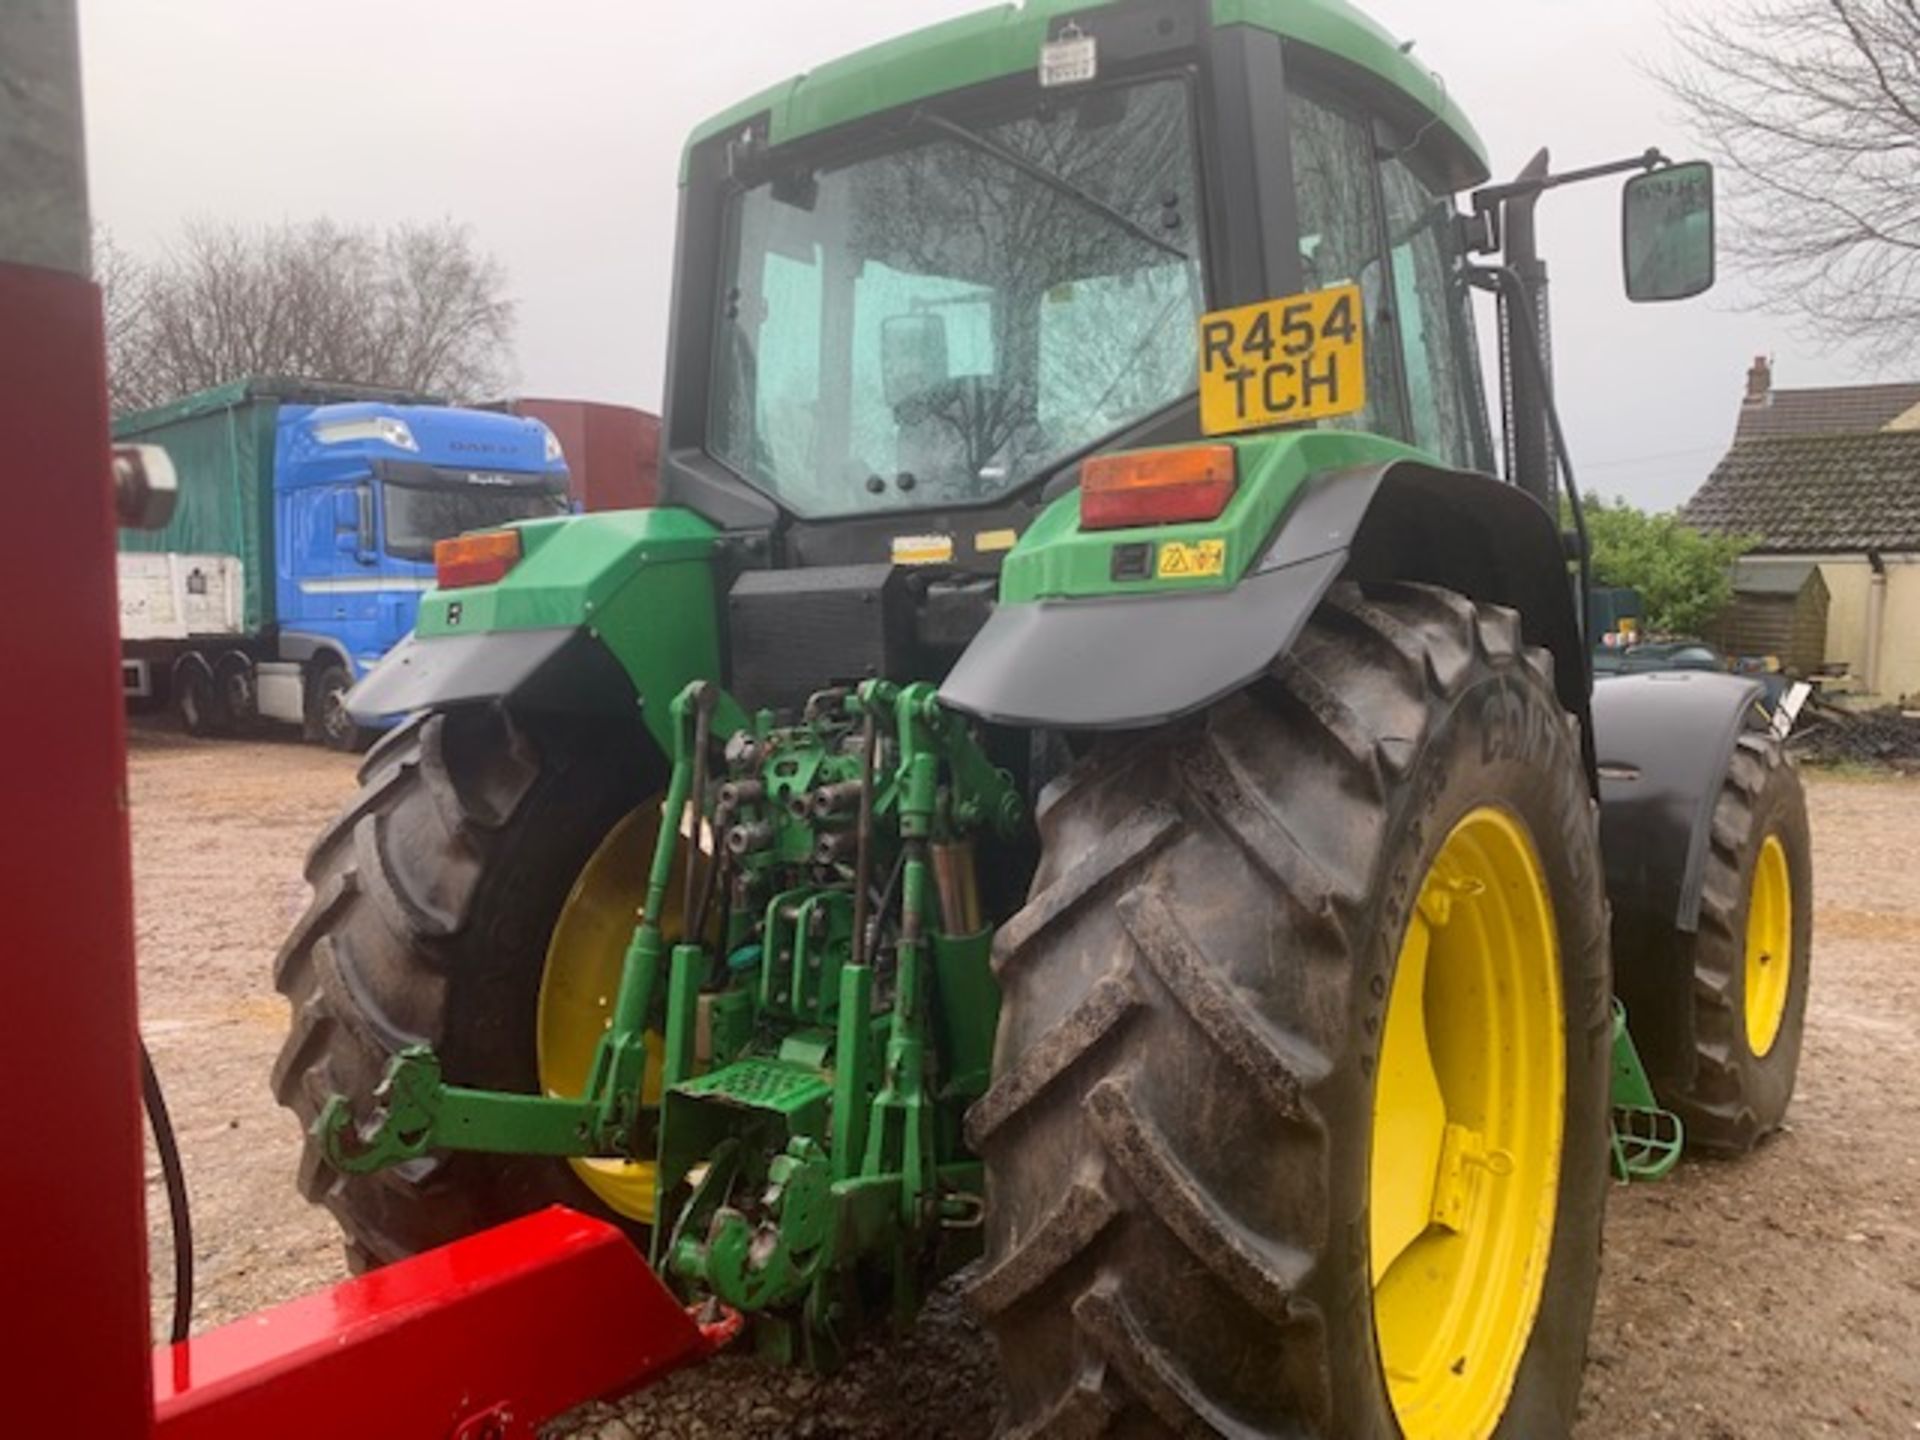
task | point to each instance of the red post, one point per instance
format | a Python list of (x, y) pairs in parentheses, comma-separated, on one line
[(71, 1191), (480, 1340)]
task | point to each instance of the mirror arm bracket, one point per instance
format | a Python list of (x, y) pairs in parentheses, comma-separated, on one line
[(1484, 224)]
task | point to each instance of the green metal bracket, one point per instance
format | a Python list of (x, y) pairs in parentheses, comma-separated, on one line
[(772, 1258), (1647, 1140), (414, 1111)]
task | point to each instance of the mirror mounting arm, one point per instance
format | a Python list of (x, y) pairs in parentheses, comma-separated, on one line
[(1488, 200)]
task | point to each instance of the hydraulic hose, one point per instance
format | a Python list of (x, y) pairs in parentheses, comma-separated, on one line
[(176, 1181)]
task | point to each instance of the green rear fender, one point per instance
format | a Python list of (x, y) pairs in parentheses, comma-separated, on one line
[(1123, 629), (602, 612)]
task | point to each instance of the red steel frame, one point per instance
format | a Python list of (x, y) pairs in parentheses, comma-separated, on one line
[(480, 1340)]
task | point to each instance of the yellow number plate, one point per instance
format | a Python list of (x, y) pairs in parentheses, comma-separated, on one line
[(1283, 361)]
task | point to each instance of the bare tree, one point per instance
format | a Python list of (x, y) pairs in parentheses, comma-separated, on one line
[(1813, 109), (123, 286), (416, 307)]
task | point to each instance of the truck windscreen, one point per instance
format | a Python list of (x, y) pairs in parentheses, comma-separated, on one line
[(418, 515), (934, 324)]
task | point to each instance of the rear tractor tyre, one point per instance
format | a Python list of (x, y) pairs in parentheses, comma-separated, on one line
[(1300, 1114), (472, 896), (1747, 966)]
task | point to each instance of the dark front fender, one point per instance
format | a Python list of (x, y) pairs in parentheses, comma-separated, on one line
[(1664, 741)]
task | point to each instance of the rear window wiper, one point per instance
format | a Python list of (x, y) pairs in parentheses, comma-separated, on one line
[(1047, 177)]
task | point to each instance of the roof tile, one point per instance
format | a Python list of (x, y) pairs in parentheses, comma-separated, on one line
[(1832, 410), (1816, 492)]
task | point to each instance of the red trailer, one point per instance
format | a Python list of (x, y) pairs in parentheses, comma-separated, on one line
[(613, 451)]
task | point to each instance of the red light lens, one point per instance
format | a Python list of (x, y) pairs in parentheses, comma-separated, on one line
[(1156, 487), (475, 559)]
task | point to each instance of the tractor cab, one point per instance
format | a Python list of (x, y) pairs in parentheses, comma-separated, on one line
[(939, 307)]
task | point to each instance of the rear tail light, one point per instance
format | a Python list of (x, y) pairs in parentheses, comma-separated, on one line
[(1156, 487), (475, 559)]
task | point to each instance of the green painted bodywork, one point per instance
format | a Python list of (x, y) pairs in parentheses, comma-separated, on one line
[(620, 574), (1056, 559), (572, 568), (992, 44)]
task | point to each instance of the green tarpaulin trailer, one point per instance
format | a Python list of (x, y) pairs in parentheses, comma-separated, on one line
[(221, 442)]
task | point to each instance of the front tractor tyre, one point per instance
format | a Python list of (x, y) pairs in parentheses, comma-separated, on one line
[(476, 895), (1741, 976), (1300, 1114)]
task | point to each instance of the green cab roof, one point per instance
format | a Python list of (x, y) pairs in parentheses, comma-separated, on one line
[(991, 44)]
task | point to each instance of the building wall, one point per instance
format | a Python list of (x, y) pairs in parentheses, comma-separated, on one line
[(1847, 580)]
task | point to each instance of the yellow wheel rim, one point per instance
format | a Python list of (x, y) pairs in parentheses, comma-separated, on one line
[(1467, 1123), (1769, 946), (578, 984)]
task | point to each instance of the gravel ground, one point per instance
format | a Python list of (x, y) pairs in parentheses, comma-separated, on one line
[(1776, 1297)]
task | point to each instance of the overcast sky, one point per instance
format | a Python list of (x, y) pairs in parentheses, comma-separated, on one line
[(554, 131)]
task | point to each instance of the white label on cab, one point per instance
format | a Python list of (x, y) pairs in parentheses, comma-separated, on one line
[(1071, 58)]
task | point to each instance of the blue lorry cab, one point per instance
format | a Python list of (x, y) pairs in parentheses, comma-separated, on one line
[(303, 539), (364, 491)]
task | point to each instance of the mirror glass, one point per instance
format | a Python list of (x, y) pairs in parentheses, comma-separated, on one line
[(1667, 232), (913, 355)]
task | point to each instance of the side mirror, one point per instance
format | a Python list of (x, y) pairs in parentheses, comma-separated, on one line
[(913, 355), (1666, 230)]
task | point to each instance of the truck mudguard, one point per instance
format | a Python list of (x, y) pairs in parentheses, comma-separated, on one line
[(1131, 661), (1664, 741)]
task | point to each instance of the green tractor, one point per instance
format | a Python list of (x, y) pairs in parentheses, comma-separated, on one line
[(1087, 772)]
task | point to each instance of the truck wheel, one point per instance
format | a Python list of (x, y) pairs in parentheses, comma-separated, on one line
[(1746, 969), (1300, 1114), (476, 895), (235, 692), (328, 720), (198, 701)]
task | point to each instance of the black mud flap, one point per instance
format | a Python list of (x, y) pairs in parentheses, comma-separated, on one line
[(1136, 660), (1140, 660), (562, 668), (1126, 662)]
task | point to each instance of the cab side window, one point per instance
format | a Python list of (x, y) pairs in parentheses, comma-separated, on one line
[(1434, 318), (1341, 239)]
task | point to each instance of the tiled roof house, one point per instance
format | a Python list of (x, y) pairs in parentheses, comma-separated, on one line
[(1832, 476)]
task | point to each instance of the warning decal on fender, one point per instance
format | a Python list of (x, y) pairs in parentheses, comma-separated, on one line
[(1283, 362), (1197, 561)]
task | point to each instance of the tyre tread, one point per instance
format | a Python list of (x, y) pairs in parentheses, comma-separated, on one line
[(1128, 1203)]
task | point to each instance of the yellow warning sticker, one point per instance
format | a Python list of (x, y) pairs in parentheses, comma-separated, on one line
[(1197, 561), (989, 542)]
